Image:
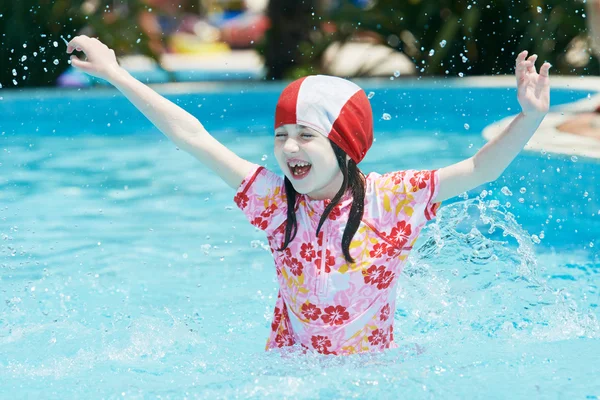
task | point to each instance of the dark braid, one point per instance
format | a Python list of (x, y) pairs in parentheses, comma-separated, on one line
[(354, 179)]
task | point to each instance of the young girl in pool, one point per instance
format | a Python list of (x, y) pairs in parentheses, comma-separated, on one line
[(339, 238)]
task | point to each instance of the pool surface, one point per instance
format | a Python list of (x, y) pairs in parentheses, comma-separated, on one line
[(126, 270)]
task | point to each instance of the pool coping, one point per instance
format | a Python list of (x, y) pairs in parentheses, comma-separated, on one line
[(508, 81)]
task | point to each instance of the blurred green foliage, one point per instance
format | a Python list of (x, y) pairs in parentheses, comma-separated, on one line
[(32, 49), (448, 37)]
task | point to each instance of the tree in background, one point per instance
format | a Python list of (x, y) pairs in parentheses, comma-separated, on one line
[(291, 23), (32, 35), (442, 37)]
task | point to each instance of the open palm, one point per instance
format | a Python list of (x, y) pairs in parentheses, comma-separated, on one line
[(533, 89)]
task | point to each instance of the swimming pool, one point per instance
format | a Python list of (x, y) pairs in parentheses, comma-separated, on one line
[(126, 271)]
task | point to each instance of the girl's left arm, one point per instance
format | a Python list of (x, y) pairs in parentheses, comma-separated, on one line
[(533, 93)]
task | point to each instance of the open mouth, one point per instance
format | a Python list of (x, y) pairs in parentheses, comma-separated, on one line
[(299, 169)]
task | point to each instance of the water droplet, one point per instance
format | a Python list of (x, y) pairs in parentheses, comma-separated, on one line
[(386, 116), (24, 58), (461, 74), (14, 72), (139, 40), (521, 200), (542, 235), (467, 126), (464, 59), (535, 239), (574, 158), (264, 157), (523, 190), (205, 248), (506, 191), (396, 73), (443, 43), (55, 43), (591, 244), (56, 62), (370, 95), (431, 52), (539, 10)]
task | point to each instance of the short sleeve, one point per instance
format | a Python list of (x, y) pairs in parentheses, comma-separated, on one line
[(261, 196), (412, 192)]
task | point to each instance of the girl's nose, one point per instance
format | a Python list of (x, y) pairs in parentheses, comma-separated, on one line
[(290, 146)]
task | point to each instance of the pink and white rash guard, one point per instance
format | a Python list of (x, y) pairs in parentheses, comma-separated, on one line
[(325, 303)]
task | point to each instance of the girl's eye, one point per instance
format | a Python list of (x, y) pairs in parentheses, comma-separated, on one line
[(279, 134), (307, 135)]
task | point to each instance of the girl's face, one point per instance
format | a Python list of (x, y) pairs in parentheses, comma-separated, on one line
[(308, 161)]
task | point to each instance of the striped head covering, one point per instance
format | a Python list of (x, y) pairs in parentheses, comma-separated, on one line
[(335, 107)]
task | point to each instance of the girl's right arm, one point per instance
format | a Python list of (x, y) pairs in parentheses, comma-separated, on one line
[(177, 124)]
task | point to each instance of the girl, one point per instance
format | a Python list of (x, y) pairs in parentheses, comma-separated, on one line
[(339, 238)]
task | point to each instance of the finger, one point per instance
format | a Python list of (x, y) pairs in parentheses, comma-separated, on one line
[(522, 69), (532, 59), (522, 55), (78, 42), (544, 70), (77, 63)]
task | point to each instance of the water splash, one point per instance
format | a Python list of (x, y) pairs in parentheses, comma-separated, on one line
[(477, 276)]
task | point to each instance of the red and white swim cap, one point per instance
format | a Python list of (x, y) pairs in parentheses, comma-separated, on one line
[(335, 107)]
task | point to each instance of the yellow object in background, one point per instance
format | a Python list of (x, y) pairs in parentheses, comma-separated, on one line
[(183, 43)]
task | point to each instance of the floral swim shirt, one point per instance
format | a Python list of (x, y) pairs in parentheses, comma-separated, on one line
[(325, 303)]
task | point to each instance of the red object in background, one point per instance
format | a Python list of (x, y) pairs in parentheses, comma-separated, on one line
[(245, 31)]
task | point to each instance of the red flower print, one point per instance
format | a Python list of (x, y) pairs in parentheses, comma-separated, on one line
[(335, 315), (391, 333), (307, 251), (400, 233), (385, 280), (241, 200), (284, 339), (398, 177), (269, 211), (379, 249), (295, 266), (329, 262), (377, 337), (321, 343), (373, 274), (260, 223), (385, 313), (419, 180), (335, 213), (285, 315), (276, 319), (310, 311)]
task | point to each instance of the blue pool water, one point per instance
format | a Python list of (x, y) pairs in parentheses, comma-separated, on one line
[(126, 271)]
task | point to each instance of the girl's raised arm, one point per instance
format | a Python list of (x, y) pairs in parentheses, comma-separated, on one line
[(533, 93), (177, 124)]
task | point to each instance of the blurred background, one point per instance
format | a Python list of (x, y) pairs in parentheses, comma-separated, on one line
[(217, 40)]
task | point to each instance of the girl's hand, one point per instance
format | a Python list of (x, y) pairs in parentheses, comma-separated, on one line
[(101, 61), (533, 89)]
